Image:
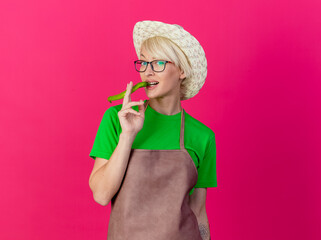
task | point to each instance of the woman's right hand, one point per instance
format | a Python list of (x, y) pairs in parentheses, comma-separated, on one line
[(130, 120)]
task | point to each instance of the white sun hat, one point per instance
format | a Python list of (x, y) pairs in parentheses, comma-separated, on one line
[(188, 44)]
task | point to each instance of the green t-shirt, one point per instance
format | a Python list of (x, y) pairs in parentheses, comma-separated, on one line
[(162, 132)]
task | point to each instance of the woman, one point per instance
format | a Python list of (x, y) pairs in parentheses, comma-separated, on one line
[(161, 160)]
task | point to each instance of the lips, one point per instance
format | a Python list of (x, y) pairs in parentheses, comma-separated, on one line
[(151, 87), (150, 81)]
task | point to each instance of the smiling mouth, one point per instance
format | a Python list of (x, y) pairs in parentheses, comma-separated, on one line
[(151, 86)]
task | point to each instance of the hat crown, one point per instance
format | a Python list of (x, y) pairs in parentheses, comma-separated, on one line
[(178, 26)]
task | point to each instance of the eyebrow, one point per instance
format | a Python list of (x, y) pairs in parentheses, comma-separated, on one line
[(144, 56)]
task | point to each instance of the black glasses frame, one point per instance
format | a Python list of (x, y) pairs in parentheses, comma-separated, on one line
[(151, 65)]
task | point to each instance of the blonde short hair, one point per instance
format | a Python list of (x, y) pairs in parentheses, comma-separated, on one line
[(165, 49)]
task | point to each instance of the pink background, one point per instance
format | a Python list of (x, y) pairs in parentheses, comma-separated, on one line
[(60, 60)]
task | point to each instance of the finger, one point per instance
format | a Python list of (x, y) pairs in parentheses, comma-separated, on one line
[(129, 92), (141, 107), (127, 95), (126, 111), (129, 105)]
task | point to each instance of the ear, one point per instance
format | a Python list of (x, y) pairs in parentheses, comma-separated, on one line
[(182, 75)]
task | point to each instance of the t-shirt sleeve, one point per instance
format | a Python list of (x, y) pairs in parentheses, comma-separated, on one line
[(107, 136), (207, 167)]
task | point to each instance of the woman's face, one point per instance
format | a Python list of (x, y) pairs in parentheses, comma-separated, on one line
[(169, 79)]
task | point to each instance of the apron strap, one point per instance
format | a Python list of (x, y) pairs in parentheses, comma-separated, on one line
[(181, 138)]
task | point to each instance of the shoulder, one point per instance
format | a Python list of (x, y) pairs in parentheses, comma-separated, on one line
[(198, 127), (113, 110), (110, 115)]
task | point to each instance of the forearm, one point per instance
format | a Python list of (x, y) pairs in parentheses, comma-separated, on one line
[(106, 181), (203, 225)]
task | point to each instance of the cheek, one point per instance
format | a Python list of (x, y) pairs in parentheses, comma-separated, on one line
[(171, 76)]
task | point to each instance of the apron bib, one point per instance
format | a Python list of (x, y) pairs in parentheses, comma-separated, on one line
[(152, 201)]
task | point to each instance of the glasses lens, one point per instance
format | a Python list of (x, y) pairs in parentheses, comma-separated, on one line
[(158, 66), (140, 66)]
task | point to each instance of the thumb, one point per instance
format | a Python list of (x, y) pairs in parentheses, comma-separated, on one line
[(141, 108)]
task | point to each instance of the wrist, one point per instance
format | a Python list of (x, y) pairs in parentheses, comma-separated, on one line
[(129, 136)]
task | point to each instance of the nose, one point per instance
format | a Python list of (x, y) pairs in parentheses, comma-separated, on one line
[(149, 70)]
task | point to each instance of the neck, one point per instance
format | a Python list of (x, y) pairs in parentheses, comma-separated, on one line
[(165, 108)]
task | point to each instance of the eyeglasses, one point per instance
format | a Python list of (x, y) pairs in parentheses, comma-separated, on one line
[(157, 65)]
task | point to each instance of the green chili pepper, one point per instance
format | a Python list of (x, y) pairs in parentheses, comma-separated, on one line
[(122, 94)]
